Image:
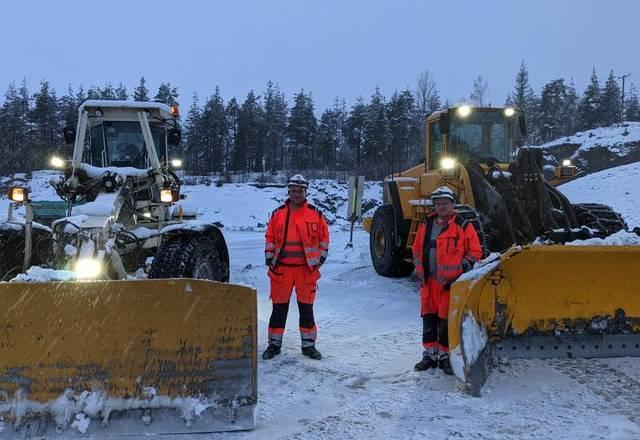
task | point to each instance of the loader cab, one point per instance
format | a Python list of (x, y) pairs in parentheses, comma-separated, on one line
[(472, 133), (115, 134)]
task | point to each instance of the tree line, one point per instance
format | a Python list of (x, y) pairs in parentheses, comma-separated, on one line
[(266, 132)]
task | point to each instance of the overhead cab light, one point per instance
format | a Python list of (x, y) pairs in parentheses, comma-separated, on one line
[(463, 111), (18, 194), (175, 111)]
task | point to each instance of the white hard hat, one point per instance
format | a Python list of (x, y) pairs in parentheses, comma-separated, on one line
[(443, 192), (298, 180)]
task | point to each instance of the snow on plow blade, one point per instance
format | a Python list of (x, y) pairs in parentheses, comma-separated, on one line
[(112, 358), (545, 302)]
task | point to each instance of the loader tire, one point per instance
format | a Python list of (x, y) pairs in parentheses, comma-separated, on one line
[(189, 257), (601, 218), (388, 259)]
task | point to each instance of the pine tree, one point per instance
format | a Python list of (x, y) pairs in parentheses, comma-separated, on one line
[(376, 136), (167, 94), (14, 126), (632, 106), (552, 110), (479, 94), (214, 131), (588, 109), (611, 104), (93, 93), (44, 126), (67, 108), (108, 92), (355, 128), (232, 118), (401, 109), (301, 130), (523, 98), (193, 138), (570, 110), (141, 93), (121, 92), (328, 138), (275, 127), (248, 154)]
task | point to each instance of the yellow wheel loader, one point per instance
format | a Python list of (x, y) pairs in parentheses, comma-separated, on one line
[(534, 296), (87, 348)]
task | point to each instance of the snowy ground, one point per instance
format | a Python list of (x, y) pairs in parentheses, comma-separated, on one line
[(369, 333)]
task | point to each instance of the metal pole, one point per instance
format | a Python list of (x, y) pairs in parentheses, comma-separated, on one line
[(623, 78), (28, 223)]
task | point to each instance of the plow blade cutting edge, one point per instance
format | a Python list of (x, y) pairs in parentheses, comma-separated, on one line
[(545, 302), (112, 358)]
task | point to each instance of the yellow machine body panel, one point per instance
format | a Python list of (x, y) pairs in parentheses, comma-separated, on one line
[(145, 344), (546, 301)]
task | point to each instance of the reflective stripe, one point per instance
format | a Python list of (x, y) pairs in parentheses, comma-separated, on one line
[(324, 253), (324, 244), (270, 246), (313, 261), (269, 254), (448, 267), (311, 250), (416, 262), (286, 254), (275, 339)]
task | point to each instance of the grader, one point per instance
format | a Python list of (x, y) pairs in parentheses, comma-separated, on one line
[(536, 297), (83, 336)]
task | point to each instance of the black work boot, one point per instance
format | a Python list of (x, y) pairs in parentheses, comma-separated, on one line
[(271, 352), (445, 364), (311, 352), (428, 361)]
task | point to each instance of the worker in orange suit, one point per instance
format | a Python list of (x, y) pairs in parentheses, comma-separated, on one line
[(446, 245), (297, 244)]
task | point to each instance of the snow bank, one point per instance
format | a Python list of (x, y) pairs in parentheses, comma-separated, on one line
[(614, 138), (37, 274), (617, 187), (620, 238), (481, 268)]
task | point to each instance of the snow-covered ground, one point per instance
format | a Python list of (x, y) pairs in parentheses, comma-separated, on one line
[(369, 333), (614, 138)]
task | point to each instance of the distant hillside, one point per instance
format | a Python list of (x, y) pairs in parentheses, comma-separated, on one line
[(597, 149)]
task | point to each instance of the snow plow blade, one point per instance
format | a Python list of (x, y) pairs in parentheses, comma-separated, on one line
[(112, 358), (545, 302)]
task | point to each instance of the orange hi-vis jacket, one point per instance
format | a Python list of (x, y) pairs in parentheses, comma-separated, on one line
[(313, 230), (457, 249)]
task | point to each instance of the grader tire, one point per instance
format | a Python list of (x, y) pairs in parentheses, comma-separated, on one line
[(387, 258)]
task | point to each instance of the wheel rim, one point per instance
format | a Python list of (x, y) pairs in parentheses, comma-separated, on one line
[(379, 243), (11, 273), (203, 271)]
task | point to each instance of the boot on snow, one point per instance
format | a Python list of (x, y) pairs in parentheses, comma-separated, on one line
[(311, 352), (271, 352), (445, 364), (428, 361)]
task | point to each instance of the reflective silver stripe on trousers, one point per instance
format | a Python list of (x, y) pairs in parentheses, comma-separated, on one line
[(308, 339), (275, 339)]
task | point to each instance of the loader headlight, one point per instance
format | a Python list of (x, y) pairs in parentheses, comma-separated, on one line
[(449, 166), (463, 111), (167, 196), (509, 111), (56, 162), (87, 268), (176, 163), (566, 163), (18, 194)]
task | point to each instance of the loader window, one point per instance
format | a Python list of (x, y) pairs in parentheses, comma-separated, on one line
[(481, 135), (124, 143), (435, 145)]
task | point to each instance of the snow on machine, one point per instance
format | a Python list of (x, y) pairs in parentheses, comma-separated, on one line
[(86, 347), (539, 298)]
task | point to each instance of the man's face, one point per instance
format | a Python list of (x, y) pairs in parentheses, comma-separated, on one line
[(444, 207), (297, 194)]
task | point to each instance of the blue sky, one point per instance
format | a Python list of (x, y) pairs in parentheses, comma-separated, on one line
[(329, 47)]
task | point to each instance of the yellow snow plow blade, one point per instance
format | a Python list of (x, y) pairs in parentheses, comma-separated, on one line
[(545, 302), (148, 356)]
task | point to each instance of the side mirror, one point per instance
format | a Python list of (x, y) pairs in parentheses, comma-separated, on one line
[(523, 125), (445, 123), (173, 137), (69, 135)]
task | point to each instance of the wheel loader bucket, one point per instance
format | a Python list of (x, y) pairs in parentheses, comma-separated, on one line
[(111, 358), (545, 302)]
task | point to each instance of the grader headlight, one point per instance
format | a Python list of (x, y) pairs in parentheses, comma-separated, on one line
[(176, 163), (566, 163), (56, 162), (87, 268), (18, 194)]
